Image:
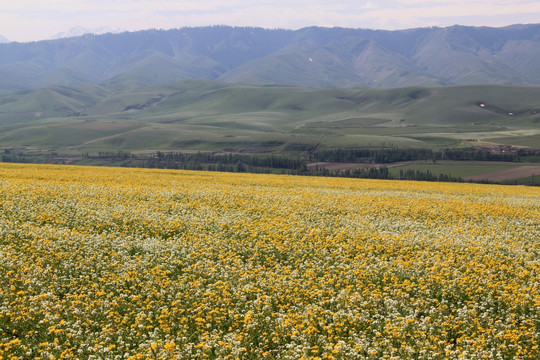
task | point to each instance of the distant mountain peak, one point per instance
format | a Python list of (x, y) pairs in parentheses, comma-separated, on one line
[(79, 31), (3, 40)]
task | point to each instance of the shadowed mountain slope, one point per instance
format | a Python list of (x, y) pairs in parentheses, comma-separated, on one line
[(316, 57)]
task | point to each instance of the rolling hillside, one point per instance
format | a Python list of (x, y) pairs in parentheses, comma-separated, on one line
[(206, 115), (315, 57)]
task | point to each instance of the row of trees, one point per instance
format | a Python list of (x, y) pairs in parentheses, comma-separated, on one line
[(392, 155), (278, 164), (272, 163), (176, 160), (383, 173), (360, 155)]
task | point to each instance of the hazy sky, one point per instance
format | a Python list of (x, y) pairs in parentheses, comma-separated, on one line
[(29, 20)]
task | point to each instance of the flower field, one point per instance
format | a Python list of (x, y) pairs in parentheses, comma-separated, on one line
[(106, 263)]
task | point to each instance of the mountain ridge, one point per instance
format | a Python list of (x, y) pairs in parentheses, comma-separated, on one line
[(312, 56)]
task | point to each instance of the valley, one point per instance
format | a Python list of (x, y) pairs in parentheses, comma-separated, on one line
[(79, 125)]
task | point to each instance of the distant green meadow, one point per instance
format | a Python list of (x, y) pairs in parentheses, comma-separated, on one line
[(289, 121)]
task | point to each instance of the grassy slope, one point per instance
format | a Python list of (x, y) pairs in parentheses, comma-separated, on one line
[(205, 115)]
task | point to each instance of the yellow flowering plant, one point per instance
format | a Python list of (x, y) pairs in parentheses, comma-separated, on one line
[(111, 263)]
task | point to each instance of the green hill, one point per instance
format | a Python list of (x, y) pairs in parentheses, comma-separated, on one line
[(205, 115)]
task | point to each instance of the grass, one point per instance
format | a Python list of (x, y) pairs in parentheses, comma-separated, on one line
[(205, 115), (458, 168), (524, 140), (529, 180)]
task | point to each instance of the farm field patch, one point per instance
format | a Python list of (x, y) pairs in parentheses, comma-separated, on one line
[(473, 170), (132, 263), (509, 174)]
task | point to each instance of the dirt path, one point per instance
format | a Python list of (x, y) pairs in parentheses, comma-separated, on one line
[(510, 174)]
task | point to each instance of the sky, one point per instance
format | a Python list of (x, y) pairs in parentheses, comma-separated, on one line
[(33, 20)]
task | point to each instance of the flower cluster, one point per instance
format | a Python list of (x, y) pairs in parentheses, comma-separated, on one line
[(106, 263)]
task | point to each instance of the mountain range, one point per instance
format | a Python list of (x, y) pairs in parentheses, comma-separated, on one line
[(313, 57)]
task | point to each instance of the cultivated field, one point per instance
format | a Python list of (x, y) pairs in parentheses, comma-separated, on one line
[(474, 170), (111, 263), (509, 174)]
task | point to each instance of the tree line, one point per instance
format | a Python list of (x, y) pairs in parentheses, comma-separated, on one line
[(394, 154), (296, 164)]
